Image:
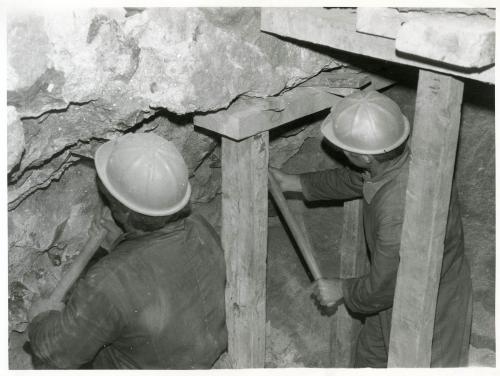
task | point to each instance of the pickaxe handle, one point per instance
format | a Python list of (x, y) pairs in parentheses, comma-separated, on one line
[(295, 228), (77, 267)]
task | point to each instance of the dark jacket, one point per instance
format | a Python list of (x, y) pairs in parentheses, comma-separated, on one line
[(383, 213), (155, 302)]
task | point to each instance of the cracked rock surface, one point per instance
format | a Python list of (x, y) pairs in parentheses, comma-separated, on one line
[(77, 78)]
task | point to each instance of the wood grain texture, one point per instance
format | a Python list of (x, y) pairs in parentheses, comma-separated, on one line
[(353, 256), (338, 79), (244, 239), (249, 116), (353, 263), (433, 144)]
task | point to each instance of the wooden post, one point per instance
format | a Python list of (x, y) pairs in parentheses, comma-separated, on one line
[(353, 263), (244, 205), (434, 143), (244, 239)]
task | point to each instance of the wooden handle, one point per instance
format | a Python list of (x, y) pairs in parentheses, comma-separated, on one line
[(77, 267), (304, 245)]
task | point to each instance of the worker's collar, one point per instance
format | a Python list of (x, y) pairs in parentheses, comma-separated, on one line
[(372, 185), (167, 229)]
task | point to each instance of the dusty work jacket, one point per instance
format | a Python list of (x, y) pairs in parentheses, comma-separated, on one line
[(155, 302), (383, 213)]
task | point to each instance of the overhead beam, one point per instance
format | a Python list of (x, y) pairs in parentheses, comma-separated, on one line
[(249, 116), (433, 145), (450, 37), (244, 239), (336, 28), (339, 79)]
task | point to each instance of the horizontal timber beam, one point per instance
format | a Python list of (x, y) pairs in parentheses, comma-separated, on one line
[(336, 28), (249, 116), (467, 41)]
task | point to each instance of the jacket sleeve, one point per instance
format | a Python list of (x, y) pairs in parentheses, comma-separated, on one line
[(90, 320), (337, 184), (374, 292)]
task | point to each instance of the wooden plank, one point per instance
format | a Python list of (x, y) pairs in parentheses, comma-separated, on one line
[(244, 239), (433, 144), (250, 116), (338, 78), (353, 256), (336, 28), (353, 263)]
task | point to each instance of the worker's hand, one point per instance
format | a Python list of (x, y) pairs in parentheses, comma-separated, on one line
[(105, 222), (43, 305), (287, 182), (328, 292)]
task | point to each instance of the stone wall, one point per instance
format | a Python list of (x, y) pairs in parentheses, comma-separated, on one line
[(78, 78)]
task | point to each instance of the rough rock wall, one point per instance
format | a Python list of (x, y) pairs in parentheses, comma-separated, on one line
[(78, 78)]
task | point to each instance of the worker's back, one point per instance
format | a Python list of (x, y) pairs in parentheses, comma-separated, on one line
[(155, 302), (172, 299)]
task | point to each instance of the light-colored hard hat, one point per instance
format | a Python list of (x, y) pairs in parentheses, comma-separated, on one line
[(145, 173), (366, 123)]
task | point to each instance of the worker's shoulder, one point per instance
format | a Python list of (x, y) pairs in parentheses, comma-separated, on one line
[(391, 197), (202, 227), (102, 272), (198, 220)]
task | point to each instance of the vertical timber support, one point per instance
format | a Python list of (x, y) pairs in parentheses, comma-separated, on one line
[(433, 144), (353, 263), (244, 239), (244, 128)]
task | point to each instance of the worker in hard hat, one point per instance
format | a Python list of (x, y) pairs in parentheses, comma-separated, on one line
[(372, 133), (156, 301)]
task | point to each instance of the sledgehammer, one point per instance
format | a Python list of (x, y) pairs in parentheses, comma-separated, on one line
[(294, 226), (77, 267), (86, 253)]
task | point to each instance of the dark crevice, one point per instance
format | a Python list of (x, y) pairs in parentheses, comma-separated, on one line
[(15, 169), (441, 64), (56, 111), (62, 168), (175, 118), (35, 165), (43, 185)]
